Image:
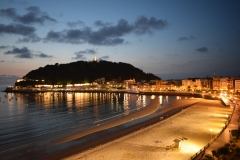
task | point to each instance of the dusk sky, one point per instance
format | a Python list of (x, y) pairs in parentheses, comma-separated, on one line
[(173, 39)]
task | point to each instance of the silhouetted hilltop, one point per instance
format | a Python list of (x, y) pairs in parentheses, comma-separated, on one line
[(85, 72)]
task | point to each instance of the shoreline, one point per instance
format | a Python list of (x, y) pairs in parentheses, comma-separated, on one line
[(170, 93)]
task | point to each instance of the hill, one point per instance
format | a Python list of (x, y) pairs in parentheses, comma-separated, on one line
[(84, 72)]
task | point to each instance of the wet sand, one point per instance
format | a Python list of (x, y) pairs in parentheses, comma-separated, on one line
[(193, 123)]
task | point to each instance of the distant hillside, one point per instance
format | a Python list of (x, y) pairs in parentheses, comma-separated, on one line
[(84, 72)]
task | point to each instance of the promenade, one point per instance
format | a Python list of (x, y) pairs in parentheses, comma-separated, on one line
[(225, 136)]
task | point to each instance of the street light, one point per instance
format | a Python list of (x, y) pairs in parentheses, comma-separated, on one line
[(211, 132)]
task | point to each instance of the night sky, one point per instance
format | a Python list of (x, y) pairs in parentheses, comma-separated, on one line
[(173, 39)]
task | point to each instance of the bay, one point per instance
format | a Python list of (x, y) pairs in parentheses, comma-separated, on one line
[(33, 120)]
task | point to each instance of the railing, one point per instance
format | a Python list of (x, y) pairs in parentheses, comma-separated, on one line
[(201, 152)]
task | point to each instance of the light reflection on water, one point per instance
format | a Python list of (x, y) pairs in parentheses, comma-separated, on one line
[(37, 114), (34, 117)]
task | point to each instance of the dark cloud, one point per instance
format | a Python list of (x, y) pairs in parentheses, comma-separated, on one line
[(4, 47), (202, 49), (103, 58), (81, 54), (186, 38), (75, 24), (34, 15), (107, 34), (24, 52), (21, 52), (144, 25), (17, 29), (73, 36), (42, 55)]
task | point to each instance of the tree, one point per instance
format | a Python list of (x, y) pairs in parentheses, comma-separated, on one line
[(82, 71), (236, 133), (208, 157), (214, 153), (237, 150), (223, 151)]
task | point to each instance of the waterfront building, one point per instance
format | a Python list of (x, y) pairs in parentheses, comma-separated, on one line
[(129, 83), (166, 85), (19, 80), (192, 84), (237, 85), (206, 83), (100, 80), (226, 83), (155, 85), (215, 83)]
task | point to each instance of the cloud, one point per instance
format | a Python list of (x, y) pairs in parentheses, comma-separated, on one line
[(42, 55), (73, 36), (17, 29), (99, 23), (75, 24), (31, 38), (88, 51), (11, 61), (186, 38), (4, 47), (24, 52), (20, 52), (81, 54), (107, 34), (33, 15), (144, 25), (103, 58), (202, 49)]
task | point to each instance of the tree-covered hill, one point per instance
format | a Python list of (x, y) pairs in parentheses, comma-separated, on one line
[(84, 72)]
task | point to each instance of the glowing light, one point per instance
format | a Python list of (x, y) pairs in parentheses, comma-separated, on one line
[(211, 132)]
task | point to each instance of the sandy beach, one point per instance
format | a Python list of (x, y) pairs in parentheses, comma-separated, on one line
[(198, 124)]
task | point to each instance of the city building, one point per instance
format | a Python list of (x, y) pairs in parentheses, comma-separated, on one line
[(237, 85), (192, 84), (215, 83)]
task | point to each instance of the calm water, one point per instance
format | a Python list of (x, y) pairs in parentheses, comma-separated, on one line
[(33, 120)]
